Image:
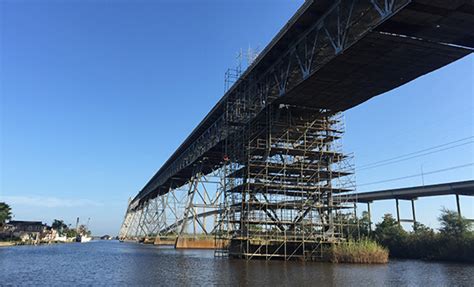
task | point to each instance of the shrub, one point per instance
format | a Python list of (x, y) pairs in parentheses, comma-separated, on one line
[(454, 242), (454, 225), (391, 235)]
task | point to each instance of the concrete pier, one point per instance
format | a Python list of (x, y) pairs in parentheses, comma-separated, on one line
[(165, 240), (197, 243)]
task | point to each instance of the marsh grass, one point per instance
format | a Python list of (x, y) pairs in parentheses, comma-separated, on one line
[(363, 251)]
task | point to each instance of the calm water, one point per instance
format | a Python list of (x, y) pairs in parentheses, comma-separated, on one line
[(119, 264)]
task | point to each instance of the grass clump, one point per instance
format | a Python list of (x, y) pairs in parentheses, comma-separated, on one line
[(363, 251)]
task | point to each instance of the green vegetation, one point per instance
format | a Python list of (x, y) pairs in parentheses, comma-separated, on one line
[(5, 213), (453, 242), (64, 229), (354, 228), (363, 251), (71, 233), (59, 226), (390, 234)]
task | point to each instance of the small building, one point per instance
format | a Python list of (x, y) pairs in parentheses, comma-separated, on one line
[(29, 231), (27, 226)]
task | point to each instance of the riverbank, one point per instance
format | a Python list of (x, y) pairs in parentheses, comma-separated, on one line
[(7, 243), (21, 243)]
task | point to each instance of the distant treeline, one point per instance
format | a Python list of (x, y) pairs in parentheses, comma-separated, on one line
[(454, 241)]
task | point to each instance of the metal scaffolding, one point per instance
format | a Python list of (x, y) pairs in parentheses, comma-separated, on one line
[(280, 177)]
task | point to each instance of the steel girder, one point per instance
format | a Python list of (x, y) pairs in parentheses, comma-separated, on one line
[(190, 209)]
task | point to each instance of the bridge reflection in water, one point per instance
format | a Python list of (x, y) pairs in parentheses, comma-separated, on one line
[(264, 175)]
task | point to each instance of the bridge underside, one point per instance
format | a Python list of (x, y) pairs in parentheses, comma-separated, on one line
[(307, 68), (260, 171)]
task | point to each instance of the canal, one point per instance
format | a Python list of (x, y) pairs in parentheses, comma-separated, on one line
[(129, 264)]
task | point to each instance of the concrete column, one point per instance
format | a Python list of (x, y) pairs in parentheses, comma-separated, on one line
[(357, 220), (370, 216), (413, 210), (398, 211), (458, 204)]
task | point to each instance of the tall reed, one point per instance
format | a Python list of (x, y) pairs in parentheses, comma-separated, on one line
[(363, 251)]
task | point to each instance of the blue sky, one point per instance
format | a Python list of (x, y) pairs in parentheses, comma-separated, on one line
[(95, 96)]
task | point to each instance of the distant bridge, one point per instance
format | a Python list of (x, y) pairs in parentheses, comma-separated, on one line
[(270, 144), (413, 193)]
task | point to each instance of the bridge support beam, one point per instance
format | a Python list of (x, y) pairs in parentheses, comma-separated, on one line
[(398, 210), (369, 213), (458, 205), (413, 212)]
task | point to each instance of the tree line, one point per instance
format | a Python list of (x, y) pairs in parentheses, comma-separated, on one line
[(64, 229)]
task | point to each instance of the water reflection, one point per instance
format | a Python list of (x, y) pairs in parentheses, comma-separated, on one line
[(114, 263)]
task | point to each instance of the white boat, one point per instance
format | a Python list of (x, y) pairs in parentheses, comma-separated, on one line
[(83, 238)]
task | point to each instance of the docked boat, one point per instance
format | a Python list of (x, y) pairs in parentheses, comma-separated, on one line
[(83, 238), (82, 232)]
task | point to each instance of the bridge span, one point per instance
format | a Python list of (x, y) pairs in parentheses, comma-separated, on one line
[(265, 165), (457, 189)]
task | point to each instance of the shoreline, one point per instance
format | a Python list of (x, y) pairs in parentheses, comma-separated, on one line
[(19, 243), (7, 243)]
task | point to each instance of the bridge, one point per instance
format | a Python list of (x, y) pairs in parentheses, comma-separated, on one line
[(264, 173), (457, 189)]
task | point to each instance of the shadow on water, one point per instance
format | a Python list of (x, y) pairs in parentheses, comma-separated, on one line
[(114, 263)]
